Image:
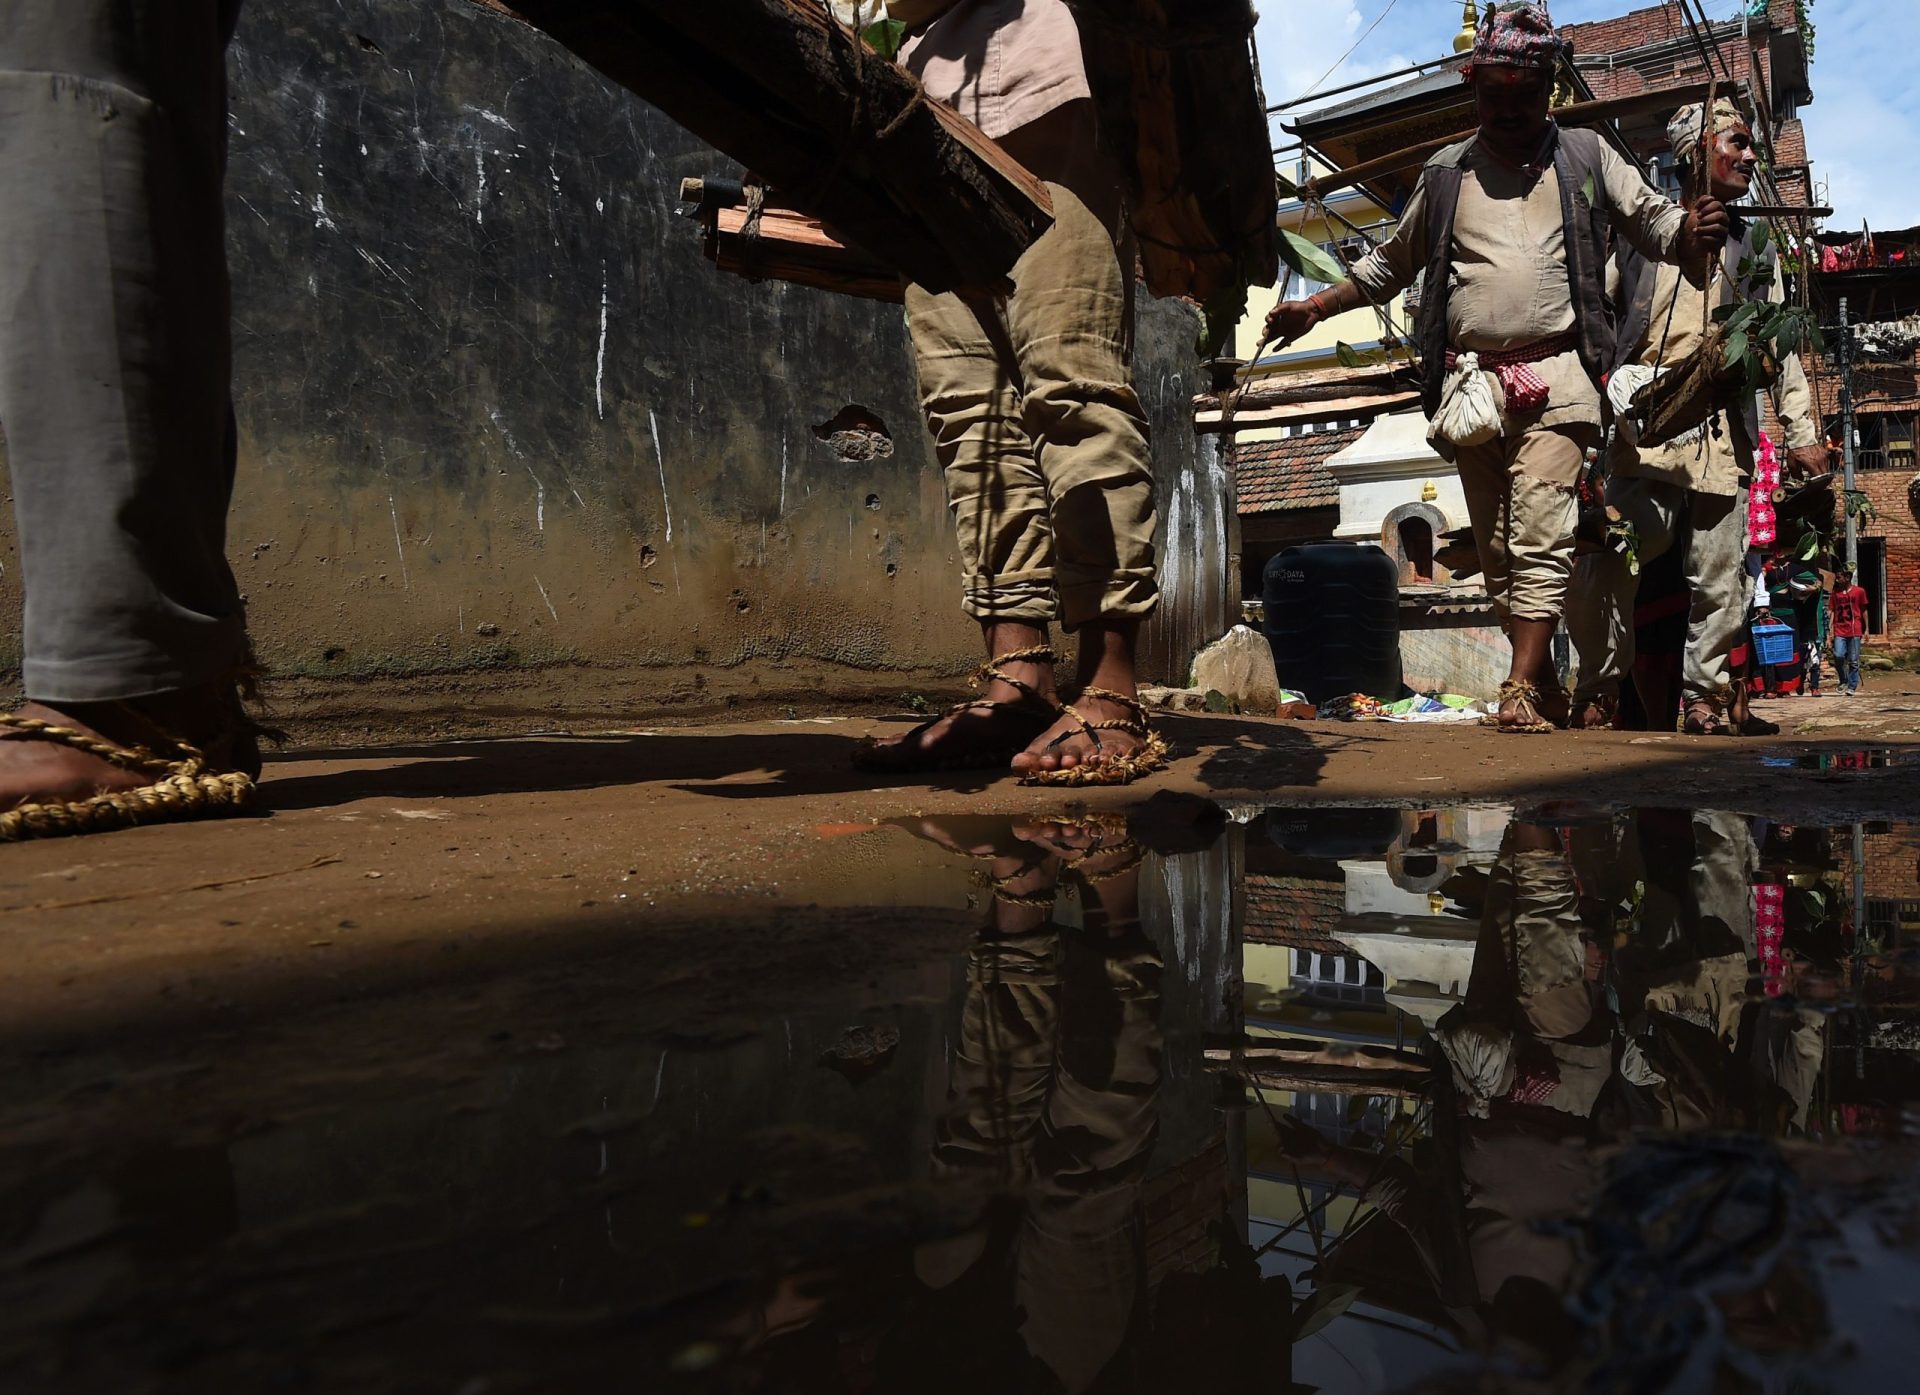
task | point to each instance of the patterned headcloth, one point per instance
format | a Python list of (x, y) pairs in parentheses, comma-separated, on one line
[(1683, 132), (1517, 34)]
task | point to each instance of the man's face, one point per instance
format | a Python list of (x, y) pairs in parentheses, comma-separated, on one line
[(1512, 104), (1730, 163)]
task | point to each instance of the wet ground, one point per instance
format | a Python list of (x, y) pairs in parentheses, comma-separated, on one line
[(1358, 1060)]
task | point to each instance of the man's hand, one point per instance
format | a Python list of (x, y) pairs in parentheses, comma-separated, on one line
[(1290, 319), (1705, 231), (1808, 461)]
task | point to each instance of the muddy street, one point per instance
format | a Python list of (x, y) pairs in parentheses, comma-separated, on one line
[(1365, 1057)]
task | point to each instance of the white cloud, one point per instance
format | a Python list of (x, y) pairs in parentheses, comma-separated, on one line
[(1299, 41)]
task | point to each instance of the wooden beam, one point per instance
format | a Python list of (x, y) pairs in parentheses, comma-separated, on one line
[(1372, 405), (841, 133), (1573, 114), (789, 246)]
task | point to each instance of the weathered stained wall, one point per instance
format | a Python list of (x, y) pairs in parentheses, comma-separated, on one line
[(498, 415)]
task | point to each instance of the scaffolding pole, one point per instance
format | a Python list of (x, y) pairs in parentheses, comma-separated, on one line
[(1846, 437)]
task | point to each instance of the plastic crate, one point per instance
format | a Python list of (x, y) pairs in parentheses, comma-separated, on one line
[(1774, 643)]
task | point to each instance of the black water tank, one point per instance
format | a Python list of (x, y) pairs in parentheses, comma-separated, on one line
[(1333, 618)]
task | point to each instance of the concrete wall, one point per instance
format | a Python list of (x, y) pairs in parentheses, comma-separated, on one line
[(505, 432)]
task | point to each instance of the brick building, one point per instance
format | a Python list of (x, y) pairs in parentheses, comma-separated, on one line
[(1878, 275), (1654, 50)]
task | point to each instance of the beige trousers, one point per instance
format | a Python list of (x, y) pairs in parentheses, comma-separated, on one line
[(1600, 622), (1031, 404), (1520, 499)]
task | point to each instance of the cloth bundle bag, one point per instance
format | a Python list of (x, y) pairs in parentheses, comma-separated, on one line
[(1469, 412)]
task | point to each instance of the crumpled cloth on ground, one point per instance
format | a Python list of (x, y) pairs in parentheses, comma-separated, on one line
[(1422, 707)]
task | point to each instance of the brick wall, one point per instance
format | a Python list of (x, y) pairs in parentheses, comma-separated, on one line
[(1896, 523)]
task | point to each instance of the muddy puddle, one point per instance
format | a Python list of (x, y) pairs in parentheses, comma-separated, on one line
[(1306, 1100)]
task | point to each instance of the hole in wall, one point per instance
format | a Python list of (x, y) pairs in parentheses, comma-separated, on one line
[(856, 434)]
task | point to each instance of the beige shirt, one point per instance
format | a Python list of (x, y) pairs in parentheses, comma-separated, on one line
[(1713, 465), (1507, 284), (1000, 63)]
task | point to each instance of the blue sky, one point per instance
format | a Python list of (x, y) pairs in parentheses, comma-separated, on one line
[(1863, 126)]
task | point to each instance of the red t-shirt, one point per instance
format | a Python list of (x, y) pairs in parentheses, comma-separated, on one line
[(1850, 612)]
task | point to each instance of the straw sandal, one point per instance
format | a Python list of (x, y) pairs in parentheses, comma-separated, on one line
[(1105, 769), (903, 757), (182, 788), (1703, 719), (1605, 705), (1521, 691)]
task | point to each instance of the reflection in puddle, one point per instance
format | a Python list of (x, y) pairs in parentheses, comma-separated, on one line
[(1345, 1099), (1876, 758)]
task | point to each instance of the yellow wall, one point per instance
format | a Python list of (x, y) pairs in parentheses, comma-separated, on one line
[(1356, 326)]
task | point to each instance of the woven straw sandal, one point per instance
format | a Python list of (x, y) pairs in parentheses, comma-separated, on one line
[(1704, 718), (1520, 690), (1607, 705), (182, 788), (872, 755), (1105, 769)]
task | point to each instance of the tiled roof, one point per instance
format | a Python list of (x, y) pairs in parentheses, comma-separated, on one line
[(1276, 476), (1295, 911)]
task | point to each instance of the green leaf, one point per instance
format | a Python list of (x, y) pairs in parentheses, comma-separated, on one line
[(1288, 189), (1743, 314), (883, 37), (1760, 235), (1348, 355), (1307, 259), (1736, 347), (1326, 1304), (1816, 338), (1588, 192)]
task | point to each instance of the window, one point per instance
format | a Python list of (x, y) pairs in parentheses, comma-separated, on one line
[(1883, 442), (1665, 175)]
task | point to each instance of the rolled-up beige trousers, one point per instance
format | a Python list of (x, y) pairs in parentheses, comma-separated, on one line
[(1035, 421), (1520, 499), (1600, 622)]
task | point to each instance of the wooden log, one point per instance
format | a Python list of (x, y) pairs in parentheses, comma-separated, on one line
[(784, 88), (1180, 103)]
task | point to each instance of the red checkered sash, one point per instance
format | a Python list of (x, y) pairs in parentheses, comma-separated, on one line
[(1523, 387)]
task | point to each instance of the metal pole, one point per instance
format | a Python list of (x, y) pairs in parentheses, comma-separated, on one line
[(1846, 434)]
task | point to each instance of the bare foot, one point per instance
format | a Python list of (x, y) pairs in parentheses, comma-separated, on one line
[(34, 770), (1002, 720), (1066, 744)]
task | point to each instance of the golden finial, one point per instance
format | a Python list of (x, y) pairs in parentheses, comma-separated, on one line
[(1469, 22), (1429, 492)]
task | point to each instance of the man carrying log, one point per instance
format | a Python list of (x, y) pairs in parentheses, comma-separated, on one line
[(1688, 490), (1509, 227), (1030, 400)]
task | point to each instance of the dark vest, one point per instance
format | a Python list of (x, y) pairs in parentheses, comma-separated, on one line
[(1576, 160)]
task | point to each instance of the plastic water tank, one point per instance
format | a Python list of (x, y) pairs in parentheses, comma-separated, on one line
[(1333, 619)]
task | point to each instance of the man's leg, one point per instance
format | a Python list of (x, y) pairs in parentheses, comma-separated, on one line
[(1600, 610), (1717, 618), (1483, 479), (114, 378), (999, 505), (1543, 467), (1070, 324)]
